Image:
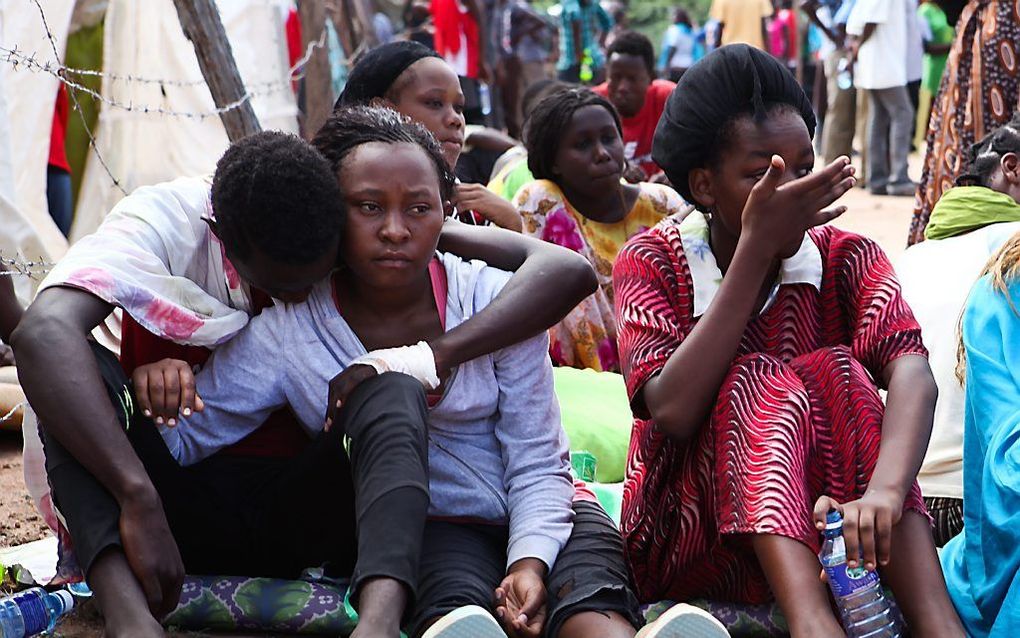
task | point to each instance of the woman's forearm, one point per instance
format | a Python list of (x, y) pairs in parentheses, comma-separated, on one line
[(906, 426), (681, 397), (548, 283)]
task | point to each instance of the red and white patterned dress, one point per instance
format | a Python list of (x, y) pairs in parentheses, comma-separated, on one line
[(798, 414)]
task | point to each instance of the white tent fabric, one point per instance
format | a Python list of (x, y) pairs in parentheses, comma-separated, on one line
[(145, 39), (27, 100)]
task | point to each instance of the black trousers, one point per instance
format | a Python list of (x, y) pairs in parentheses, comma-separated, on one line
[(463, 563), (361, 514)]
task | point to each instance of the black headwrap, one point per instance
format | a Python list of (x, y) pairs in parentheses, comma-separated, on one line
[(729, 81), (376, 72)]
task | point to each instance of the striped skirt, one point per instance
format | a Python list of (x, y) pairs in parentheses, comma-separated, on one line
[(781, 435)]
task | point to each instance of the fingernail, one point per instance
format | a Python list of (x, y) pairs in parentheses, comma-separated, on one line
[(172, 422), (147, 412), (159, 420), (851, 563), (187, 411)]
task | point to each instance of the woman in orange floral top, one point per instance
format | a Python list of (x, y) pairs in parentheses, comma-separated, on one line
[(575, 151)]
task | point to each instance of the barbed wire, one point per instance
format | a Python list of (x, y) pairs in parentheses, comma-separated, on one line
[(30, 61), (57, 69), (77, 105), (15, 267)]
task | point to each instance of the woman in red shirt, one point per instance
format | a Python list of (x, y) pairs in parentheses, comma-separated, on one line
[(752, 339)]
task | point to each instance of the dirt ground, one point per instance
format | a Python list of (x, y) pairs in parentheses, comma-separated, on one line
[(885, 219)]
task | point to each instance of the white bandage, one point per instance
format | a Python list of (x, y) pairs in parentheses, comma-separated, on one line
[(416, 361)]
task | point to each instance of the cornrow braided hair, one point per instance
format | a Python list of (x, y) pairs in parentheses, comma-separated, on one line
[(984, 156), (348, 128)]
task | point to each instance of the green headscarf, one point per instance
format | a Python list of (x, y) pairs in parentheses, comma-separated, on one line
[(965, 208)]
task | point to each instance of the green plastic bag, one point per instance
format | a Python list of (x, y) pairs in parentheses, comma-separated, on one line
[(596, 416)]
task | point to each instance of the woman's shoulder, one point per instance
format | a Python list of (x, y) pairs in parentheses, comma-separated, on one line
[(683, 230), (835, 242), (471, 284), (989, 297), (536, 191), (664, 196)]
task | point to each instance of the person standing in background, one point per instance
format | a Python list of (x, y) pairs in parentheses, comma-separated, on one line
[(525, 34), (58, 171), (830, 17), (680, 46), (621, 21), (581, 57), (980, 93), (784, 42), (936, 50), (880, 51), (743, 21), (460, 28), (916, 28)]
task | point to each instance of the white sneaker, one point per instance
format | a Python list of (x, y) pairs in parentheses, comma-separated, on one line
[(685, 621), (470, 621)]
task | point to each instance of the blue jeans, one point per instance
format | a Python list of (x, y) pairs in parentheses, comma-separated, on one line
[(58, 194)]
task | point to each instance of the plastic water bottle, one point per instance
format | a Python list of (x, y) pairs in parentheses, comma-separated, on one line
[(858, 592), (485, 98), (33, 612), (844, 77)]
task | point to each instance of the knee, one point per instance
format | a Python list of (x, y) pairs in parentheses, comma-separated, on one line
[(390, 402), (760, 391), (828, 360), (749, 369)]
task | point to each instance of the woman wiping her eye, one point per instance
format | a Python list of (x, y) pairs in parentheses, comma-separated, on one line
[(753, 339)]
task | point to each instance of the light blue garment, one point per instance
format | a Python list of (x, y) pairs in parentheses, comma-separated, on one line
[(337, 60), (497, 450), (842, 15), (981, 564)]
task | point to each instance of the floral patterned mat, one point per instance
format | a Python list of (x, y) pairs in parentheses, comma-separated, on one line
[(302, 607)]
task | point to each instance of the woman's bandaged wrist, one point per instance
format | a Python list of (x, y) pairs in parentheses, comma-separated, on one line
[(416, 361)]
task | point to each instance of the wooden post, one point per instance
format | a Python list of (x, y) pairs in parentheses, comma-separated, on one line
[(201, 22), (318, 83)]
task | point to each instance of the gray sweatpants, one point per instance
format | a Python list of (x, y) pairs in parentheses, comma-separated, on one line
[(890, 125)]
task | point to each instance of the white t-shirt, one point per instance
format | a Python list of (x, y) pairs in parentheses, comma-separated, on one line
[(883, 60), (936, 276), (682, 41), (915, 42)]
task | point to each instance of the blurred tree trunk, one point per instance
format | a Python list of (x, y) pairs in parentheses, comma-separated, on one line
[(318, 85), (201, 22)]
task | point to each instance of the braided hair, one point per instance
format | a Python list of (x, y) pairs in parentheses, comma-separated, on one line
[(984, 156), (348, 128)]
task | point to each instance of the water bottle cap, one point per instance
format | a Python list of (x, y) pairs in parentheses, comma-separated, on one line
[(833, 519), (66, 598)]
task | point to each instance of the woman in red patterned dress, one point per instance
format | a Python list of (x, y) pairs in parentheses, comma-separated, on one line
[(752, 338)]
